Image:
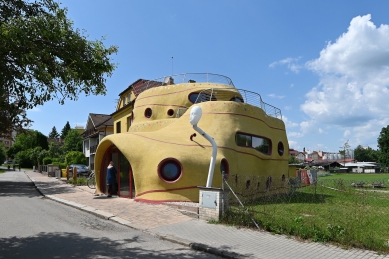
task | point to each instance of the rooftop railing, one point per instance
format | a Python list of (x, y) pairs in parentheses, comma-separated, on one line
[(238, 95), (184, 78)]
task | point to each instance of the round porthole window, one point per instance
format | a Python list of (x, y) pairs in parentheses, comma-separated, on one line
[(170, 112), (148, 113), (225, 168), (280, 148), (170, 170)]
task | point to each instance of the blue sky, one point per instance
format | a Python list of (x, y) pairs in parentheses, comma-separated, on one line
[(325, 64)]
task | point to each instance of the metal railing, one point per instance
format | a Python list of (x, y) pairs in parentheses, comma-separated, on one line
[(180, 112), (89, 132), (184, 78), (238, 95)]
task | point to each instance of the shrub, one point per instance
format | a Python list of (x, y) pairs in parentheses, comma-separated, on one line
[(47, 160), (75, 157), (80, 181)]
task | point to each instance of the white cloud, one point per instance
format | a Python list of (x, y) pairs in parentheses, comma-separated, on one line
[(295, 134), (293, 144), (354, 77), (288, 123), (321, 131), (347, 133), (291, 63), (276, 96)]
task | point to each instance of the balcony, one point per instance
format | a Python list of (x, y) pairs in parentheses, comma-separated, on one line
[(238, 95), (89, 132), (93, 149), (183, 78)]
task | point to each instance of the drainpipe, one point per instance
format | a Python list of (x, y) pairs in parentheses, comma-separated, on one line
[(195, 115)]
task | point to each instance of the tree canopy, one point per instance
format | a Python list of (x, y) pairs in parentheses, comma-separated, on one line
[(383, 145), (3, 155), (65, 130), (72, 141), (54, 133), (42, 58), (365, 154), (28, 140)]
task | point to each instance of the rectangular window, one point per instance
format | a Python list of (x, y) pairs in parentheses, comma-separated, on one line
[(261, 144), (118, 127), (129, 120)]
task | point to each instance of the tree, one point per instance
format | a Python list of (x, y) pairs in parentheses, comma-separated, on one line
[(73, 141), (53, 133), (42, 58), (383, 145), (55, 150), (75, 157), (23, 158), (65, 130), (365, 154), (3, 155), (28, 140), (294, 160)]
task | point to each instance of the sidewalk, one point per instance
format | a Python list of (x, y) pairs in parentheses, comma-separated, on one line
[(167, 223)]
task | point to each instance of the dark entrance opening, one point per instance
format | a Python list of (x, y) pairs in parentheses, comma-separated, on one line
[(125, 178)]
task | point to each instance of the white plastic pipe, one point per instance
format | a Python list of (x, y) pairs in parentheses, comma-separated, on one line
[(213, 157), (195, 115)]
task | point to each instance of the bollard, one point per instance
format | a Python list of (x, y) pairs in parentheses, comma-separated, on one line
[(75, 174), (67, 173)]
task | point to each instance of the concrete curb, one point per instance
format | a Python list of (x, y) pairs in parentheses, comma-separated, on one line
[(112, 217), (200, 247)]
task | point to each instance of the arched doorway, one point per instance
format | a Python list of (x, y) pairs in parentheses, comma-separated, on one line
[(125, 178)]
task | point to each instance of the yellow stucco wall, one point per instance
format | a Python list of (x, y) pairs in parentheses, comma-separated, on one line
[(151, 140)]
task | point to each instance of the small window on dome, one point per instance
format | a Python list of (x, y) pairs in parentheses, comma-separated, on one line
[(148, 113), (170, 112), (280, 148)]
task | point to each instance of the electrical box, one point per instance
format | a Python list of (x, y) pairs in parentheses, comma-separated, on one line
[(209, 199)]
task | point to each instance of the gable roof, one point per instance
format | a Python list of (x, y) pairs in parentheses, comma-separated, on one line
[(135, 86), (100, 119)]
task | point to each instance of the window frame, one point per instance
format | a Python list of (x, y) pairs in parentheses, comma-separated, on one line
[(166, 161), (269, 153)]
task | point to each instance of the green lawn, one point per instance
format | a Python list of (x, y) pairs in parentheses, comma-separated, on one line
[(358, 177), (332, 211)]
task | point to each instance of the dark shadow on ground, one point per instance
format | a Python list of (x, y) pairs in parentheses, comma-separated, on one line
[(73, 245), (18, 189)]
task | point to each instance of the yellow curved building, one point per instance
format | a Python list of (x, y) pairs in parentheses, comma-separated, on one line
[(159, 158)]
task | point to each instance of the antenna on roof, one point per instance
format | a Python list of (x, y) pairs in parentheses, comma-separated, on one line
[(172, 65)]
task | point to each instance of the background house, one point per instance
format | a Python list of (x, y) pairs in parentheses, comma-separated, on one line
[(97, 127)]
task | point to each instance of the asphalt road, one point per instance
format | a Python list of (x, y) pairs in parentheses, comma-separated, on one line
[(34, 227)]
